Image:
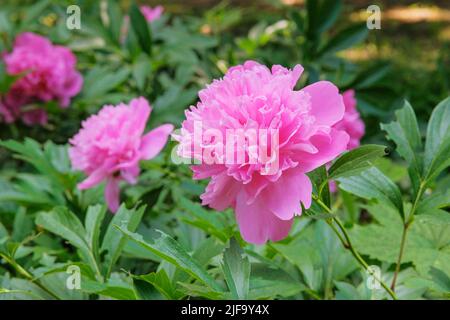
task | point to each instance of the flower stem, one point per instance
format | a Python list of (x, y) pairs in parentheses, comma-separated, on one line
[(344, 237), (28, 276), (400, 256), (406, 224)]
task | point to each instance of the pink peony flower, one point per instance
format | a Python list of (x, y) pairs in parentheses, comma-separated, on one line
[(152, 14), (111, 143), (251, 96), (350, 123), (48, 74)]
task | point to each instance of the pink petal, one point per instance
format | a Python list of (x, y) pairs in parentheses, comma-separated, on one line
[(257, 223), (130, 174), (112, 194), (326, 103), (349, 100), (93, 179), (329, 147), (154, 141), (203, 172), (220, 193), (284, 196)]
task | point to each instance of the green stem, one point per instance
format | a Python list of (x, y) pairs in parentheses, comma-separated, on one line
[(347, 243), (400, 256), (28, 275), (406, 224)]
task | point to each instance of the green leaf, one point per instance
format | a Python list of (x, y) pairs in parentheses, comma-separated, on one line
[(298, 20), (345, 39), (427, 245), (23, 226), (319, 178), (312, 10), (114, 240), (145, 290), (212, 222), (202, 291), (236, 269), (368, 77), (100, 81), (6, 80), (140, 27), (437, 145), (346, 291), (170, 250), (356, 161), (3, 231), (437, 200), (41, 158), (329, 12), (114, 288), (406, 135), (319, 255), (20, 289), (33, 12), (271, 283), (437, 217), (141, 70), (65, 224), (373, 184), (93, 223), (440, 278), (160, 281), (115, 20)]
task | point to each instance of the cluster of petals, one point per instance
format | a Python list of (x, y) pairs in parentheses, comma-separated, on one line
[(45, 72), (252, 96), (110, 145)]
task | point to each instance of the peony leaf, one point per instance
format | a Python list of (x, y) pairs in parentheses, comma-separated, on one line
[(356, 160), (64, 223), (114, 241), (93, 221), (236, 269), (373, 184), (346, 38), (406, 135), (145, 285), (437, 146), (427, 245), (170, 250), (141, 29)]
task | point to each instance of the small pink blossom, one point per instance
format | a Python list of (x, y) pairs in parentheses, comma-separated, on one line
[(111, 143), (254, 96), (47, 72), (152, 14), (350, 123)]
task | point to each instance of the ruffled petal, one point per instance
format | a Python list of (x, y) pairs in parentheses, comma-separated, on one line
[(327, 105), (221, 192), (329, 147), (154, 141), (283, 197), (257, 223), (93, 179)]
